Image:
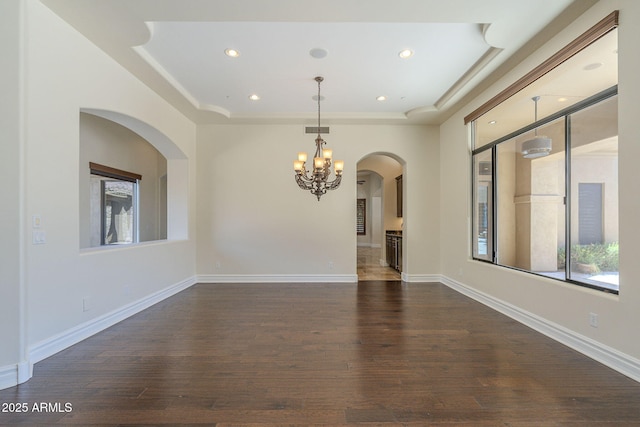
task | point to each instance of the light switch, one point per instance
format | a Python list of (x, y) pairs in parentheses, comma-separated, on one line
[(36, 221), (39, 237)]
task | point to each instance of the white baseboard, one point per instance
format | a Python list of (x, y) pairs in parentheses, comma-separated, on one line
[(420, 278), (278, 278), (53, 345), (25, 371), (8, 376), (616, 360), (13, 375), (306, 278)]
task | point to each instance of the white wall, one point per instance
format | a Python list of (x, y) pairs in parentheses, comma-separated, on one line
[(11, 146), (254, 223), (565, 307), (68, 289)]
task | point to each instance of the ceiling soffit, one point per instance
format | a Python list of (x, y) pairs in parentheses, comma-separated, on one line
[(177, 48)]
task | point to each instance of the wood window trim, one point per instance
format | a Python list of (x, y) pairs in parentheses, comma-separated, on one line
[(109, 172), (609, 23)]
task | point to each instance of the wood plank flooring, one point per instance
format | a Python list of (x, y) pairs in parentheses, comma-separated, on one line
[(376, 353)]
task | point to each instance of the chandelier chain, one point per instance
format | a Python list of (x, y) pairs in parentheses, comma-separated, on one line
[(319, 79)]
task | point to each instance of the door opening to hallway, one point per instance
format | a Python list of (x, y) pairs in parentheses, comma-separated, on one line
[(379, 217)]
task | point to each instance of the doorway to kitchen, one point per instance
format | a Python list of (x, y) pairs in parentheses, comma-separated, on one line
[(379, 218)]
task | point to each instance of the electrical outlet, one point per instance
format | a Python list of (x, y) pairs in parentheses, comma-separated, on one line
[(593, 320), (86, 304), (330, 265), (218, 265)]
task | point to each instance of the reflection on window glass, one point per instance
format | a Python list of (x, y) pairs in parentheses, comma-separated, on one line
[(118, 212), (566, 85), (482, 220), (555, 214), (530, 203), (594, 196)]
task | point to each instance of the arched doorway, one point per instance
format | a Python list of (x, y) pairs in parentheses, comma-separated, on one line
[(379, 213)]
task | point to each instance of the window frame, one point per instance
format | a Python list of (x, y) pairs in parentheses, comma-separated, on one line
[(493, 146), (586, 39), (110, 174)]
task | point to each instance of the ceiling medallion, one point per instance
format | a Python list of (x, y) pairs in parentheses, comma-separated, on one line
[(317, 180), (318, 53)]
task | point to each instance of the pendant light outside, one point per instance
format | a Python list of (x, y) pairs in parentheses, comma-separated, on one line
[(538, 146)]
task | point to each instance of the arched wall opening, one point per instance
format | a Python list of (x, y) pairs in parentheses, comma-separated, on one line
[(168, 191), (380, 183)]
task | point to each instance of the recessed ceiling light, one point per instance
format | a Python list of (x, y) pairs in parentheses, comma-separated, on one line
[(493, 122), (381, 98), (254, 97), (232, 53), (563, 99), (406, 53)]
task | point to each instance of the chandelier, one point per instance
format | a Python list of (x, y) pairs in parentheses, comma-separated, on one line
[(317, 180)]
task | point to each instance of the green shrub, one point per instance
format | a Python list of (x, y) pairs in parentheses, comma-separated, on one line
[(603, 256)]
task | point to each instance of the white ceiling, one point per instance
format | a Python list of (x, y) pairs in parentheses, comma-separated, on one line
[(177, 48)]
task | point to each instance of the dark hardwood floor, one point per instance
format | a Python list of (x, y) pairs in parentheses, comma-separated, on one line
[(379, 353)]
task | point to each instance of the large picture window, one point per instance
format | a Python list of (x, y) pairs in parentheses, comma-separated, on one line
[(545, 185)]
